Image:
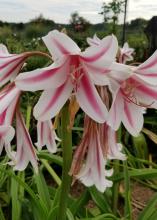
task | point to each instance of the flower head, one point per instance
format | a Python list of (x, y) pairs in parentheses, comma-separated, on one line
[(129, 104), (125, 53), (73, 71)]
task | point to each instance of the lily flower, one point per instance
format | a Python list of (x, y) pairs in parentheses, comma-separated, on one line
[(97, 146), (129, 104), (9, 96), (25, 151), (73, 71), (125, 53), (46, 136), (10, 64)]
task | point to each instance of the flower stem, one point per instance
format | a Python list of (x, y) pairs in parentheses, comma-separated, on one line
[(67, 158), (28, 116)]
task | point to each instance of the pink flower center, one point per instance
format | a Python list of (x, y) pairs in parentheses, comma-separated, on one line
[(76, 71)]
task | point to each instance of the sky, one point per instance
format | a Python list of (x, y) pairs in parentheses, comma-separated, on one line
[(60, 10)]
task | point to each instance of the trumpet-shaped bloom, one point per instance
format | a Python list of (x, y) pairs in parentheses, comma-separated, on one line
[(72, 71), (129, 104), (125, 53), (10, 64), (9, 97), (25, 152), (93, 171), (98, 144), (46, 136), (8, 100)]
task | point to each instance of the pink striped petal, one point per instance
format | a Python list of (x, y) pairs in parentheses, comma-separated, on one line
[(98, 73), (132, 118), (10, 66), (105, 52), (93, 172), (46, 136), (25, 151), (90, 101), (60, 44), (93, 41), (8, 94), (7, 133), (147, 71), (116, 111), (114, 149), (51, 101), (52, 76), (146, 95)]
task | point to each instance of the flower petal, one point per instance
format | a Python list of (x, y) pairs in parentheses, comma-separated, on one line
[(93, 41), (115, 113), (90, 101), (93, 172), (3, 50), (60, 44), (132, 118), (52, 76), (10, 66), (146, 95), (114, 151), (46, 136), (105, 52), (8, 94), (25, 150), (51, 101), (147, 71)]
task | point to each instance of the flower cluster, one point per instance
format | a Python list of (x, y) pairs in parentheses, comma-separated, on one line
[(80, 74)]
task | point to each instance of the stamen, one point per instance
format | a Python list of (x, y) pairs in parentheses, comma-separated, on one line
[(76, 74)]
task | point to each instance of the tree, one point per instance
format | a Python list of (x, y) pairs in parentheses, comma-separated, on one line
[(111, 12), (79, 23)]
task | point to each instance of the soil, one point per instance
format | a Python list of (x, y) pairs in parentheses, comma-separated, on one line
[(140, 196)]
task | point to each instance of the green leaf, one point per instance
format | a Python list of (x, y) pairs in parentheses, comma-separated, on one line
[(106, 216), (16, 204), (37, 203), (79, 203), (43, 190), (150, 134), (100, 199), (1, 214), (139, 173), (51, 157), (140, 146), (127, 207), (149, 210), (69, 215)]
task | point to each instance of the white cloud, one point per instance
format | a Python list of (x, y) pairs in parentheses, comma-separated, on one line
[(60, 10)]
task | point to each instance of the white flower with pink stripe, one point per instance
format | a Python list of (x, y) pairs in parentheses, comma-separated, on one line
[(72, 71)]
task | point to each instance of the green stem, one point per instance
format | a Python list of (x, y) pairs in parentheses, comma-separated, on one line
[(28, 116), (67, 158), (51, 171)]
